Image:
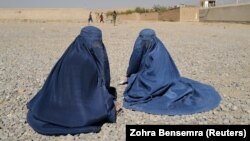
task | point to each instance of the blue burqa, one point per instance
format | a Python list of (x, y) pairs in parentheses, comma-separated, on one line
[(76, 97), (155, 85)]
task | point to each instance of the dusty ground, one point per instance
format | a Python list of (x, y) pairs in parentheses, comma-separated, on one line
[(213, 53)]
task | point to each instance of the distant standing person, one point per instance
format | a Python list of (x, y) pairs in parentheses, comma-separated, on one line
[(90, 18), (114, 17), (101, 18)]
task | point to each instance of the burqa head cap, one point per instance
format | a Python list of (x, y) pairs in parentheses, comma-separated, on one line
[(147, 34), (91, 32)]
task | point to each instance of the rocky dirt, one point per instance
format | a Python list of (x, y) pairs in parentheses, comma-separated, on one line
[(214, 53)]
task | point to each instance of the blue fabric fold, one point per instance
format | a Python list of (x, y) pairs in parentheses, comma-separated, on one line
[(155, 85), (76, 97)]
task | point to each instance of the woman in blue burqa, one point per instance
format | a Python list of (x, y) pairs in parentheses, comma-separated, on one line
[(155, 85), (76, 97)]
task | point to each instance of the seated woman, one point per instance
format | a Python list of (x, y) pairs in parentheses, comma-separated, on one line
[(155, 85), (76, 97)]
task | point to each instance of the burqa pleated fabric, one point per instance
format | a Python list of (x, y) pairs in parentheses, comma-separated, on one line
[(75, 98), (155, 85)]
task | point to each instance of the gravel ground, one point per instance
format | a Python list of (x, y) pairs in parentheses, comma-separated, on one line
[(213, 53)]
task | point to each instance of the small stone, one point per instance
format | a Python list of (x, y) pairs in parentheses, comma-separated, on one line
[(223, 108), (3, 136), (226, 121), (248, 111), (234, 108), (69, 138), (215, 112)]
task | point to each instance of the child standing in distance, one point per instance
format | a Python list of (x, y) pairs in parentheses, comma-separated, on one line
[(114, 17), (90, 18), (101, 18)]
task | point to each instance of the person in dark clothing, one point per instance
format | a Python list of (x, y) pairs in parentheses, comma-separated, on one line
[(101, 18), (76, 97), (90, 19), (155, 85), (114, 15)]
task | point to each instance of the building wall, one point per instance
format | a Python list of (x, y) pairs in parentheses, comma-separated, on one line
[(136, 16), (154, 16), (45, 14), (189, 14), (230, 13), (170, 15), (133, 17)]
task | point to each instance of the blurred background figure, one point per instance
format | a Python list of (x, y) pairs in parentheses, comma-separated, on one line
[(114, 17), (90, 18), (101, 18)]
